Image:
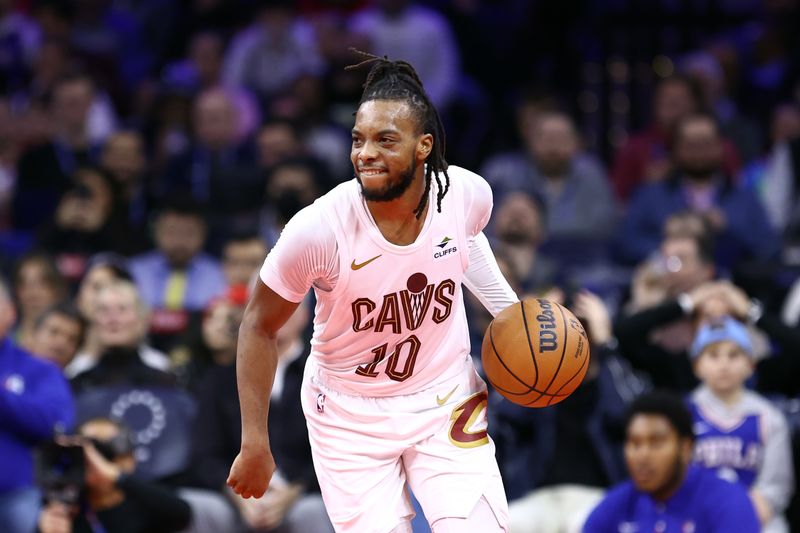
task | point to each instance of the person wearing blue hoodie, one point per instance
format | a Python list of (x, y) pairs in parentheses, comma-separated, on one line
[(35, 404)]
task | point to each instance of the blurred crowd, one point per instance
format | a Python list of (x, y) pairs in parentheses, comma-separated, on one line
[(645, 175)]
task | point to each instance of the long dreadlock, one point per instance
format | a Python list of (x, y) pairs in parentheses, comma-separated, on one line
[(397, 80)]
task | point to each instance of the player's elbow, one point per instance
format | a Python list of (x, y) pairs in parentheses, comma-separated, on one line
[(253, 324)]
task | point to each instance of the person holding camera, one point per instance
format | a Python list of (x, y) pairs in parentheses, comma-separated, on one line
[(35, 403), (112, 498)]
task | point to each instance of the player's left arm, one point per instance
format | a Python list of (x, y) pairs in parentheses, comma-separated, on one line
[(774, 485), (484, 279)]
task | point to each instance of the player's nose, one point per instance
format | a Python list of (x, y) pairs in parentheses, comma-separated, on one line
[(367, 152)]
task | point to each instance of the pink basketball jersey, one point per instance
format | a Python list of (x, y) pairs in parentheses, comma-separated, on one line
[(394, 321)]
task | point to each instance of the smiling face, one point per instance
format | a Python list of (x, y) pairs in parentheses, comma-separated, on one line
[(657, 457), (388, 149), (119, 316)]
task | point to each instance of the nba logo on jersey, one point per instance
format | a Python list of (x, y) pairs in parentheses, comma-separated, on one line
[(320, 402), (445, 248)]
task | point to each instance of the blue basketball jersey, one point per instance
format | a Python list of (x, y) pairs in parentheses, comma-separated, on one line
[(732, 447)]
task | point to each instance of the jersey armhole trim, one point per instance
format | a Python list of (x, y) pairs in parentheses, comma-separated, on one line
[(273, 281), (342, 251)]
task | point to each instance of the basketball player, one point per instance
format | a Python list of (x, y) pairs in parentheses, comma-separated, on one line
[(390, 394)]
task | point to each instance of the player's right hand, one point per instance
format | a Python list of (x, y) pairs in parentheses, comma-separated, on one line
[(251, 472)]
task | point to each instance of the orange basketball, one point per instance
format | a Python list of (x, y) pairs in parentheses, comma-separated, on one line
[(535, 352)]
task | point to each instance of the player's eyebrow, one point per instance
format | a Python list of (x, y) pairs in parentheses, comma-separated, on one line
[(387, 131)]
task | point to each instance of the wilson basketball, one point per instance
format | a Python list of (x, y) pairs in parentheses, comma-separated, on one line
[(535, 352)]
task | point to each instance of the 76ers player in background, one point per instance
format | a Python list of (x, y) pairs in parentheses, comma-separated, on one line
[(390, 394)]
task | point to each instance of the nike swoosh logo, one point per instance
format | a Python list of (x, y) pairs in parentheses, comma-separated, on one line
[(356, 266), (442, 401)]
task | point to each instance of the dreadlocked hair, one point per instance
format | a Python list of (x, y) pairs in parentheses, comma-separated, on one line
[(397, 80)]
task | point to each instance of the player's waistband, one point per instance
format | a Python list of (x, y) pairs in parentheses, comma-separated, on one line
[(385, 388)]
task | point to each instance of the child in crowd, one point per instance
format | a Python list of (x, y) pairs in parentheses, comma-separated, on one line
[(739, 434)]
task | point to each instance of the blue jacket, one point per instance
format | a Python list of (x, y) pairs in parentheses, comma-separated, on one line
[(35, 402), (525, 437), (748, 233), (704, 503)]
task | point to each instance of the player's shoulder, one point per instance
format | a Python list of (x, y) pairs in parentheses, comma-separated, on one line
[(315, 222), (471, 182), (340, 196)]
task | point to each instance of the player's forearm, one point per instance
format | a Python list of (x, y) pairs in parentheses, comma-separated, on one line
[(256, 361)]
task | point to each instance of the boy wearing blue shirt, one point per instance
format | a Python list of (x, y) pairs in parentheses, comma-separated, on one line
[(666, 494), (740, 436)]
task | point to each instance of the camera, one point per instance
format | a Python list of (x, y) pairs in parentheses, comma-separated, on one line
[(61, 466), (60, 471)]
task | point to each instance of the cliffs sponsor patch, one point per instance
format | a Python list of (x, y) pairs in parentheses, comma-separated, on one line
[(444, 249)]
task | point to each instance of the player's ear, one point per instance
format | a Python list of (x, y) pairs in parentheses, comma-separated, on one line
[(424, 146)]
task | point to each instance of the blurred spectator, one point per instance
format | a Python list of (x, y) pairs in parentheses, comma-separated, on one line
[(37, 285), (557, 462), (201, 70), (518, 227), (277, 140), (217, 170), (407, 30), (53, 63), (35, 404), (44, 171), (101, 271), (19, 43), (53, 17), (83, 223), (657, 329), (778, 182), (292, 503), (121, 321), (700, 184), (202, 67), (214, 345), (577, 199), (115, 499), (305, 105), (276, 49), (657, 339), (666, 493), (292, 185), (739, 434), (111, 45), (59, 334), (242, 257), (645, 157), (124, 159), (683, 261), (177, 278), (704, 68)]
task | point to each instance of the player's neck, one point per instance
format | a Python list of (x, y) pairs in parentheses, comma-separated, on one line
[(396, 219)]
